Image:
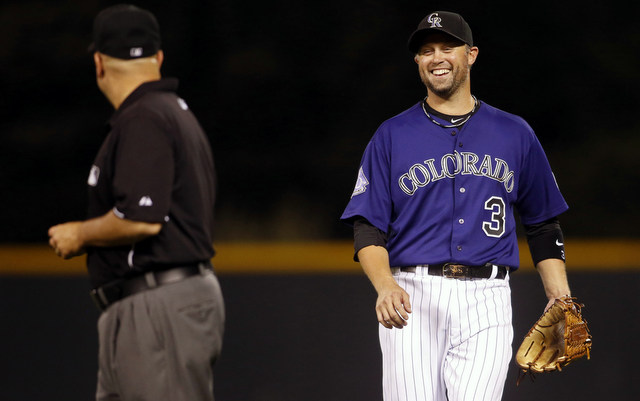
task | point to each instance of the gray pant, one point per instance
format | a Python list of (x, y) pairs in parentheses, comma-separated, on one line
[(161, 344)]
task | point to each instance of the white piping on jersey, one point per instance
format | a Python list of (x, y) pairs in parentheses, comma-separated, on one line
[(454, 123), (464, 163), (118, 213)]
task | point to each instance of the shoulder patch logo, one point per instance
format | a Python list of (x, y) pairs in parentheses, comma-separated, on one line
[(183, 105), (145, 201), (361, 183), (94, 174)]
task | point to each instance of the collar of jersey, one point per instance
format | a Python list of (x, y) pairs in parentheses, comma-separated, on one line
[(430, 112), (162, 85)]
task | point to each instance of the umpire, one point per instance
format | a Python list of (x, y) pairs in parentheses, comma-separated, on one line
[(148, 236)]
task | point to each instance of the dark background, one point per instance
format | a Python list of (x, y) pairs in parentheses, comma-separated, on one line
[(291, 91)]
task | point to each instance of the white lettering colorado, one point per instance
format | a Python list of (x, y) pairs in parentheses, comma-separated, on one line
[(452, 164)]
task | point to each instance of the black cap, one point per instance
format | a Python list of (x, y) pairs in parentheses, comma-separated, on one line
[(443, 21), (126, 32)]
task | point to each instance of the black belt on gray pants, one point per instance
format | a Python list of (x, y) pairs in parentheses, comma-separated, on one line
[(454, 270), (109, 293)]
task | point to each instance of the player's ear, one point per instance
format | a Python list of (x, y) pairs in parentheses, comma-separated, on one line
[(473, 55), (415, 58)]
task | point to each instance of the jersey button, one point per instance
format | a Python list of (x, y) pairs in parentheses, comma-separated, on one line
[(462, 190), (453, 133), (460, 144), (461, 221), (459, 248)]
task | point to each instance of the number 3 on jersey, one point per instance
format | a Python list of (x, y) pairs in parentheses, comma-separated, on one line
[(495, 227)]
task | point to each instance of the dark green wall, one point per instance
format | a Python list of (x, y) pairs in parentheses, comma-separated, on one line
[(301, 338)]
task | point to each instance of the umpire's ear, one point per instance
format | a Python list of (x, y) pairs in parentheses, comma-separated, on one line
[(99, 62), (159, 57)]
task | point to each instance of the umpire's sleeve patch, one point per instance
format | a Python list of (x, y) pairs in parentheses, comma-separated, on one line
[(361, 183)]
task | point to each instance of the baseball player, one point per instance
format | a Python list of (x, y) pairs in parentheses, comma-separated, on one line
[(149, 230), (434, 228)]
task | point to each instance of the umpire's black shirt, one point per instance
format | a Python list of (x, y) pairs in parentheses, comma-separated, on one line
[(155, 166)]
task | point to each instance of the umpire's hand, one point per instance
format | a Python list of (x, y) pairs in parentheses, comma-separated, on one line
[(65, 239)]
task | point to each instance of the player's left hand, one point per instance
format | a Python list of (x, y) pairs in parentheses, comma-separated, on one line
[(549, 304), (65, 239), (557, 338), (552, 300)]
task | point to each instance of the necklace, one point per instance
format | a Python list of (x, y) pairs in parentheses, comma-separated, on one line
[(457, 123)]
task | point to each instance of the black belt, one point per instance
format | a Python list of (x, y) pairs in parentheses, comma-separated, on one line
[(109, 293), (454, 270)]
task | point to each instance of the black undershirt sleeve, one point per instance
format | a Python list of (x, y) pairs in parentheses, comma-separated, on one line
[(365, 234), (545, 240)]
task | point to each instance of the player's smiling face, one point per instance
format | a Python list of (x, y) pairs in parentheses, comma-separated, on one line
[(444, 64)]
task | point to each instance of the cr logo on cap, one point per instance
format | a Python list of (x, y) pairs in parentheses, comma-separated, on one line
[(434, 20)]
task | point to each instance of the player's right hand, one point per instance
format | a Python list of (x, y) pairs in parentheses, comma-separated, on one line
[(393, 306)]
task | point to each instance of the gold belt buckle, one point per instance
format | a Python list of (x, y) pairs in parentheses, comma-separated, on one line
[(451, 270)]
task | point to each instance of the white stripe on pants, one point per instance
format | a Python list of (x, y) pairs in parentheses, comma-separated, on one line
[(457, 344)]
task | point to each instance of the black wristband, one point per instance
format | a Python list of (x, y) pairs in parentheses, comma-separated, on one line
[(545, 241)]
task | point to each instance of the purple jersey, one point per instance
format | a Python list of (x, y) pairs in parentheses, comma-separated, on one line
[(448, 194)]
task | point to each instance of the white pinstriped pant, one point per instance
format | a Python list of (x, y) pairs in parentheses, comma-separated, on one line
[(456, 345)]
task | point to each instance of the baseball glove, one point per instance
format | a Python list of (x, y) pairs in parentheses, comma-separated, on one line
[(558, 337)]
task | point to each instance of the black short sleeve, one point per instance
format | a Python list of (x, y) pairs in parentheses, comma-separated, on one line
[(365, 234), (144, 170)]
